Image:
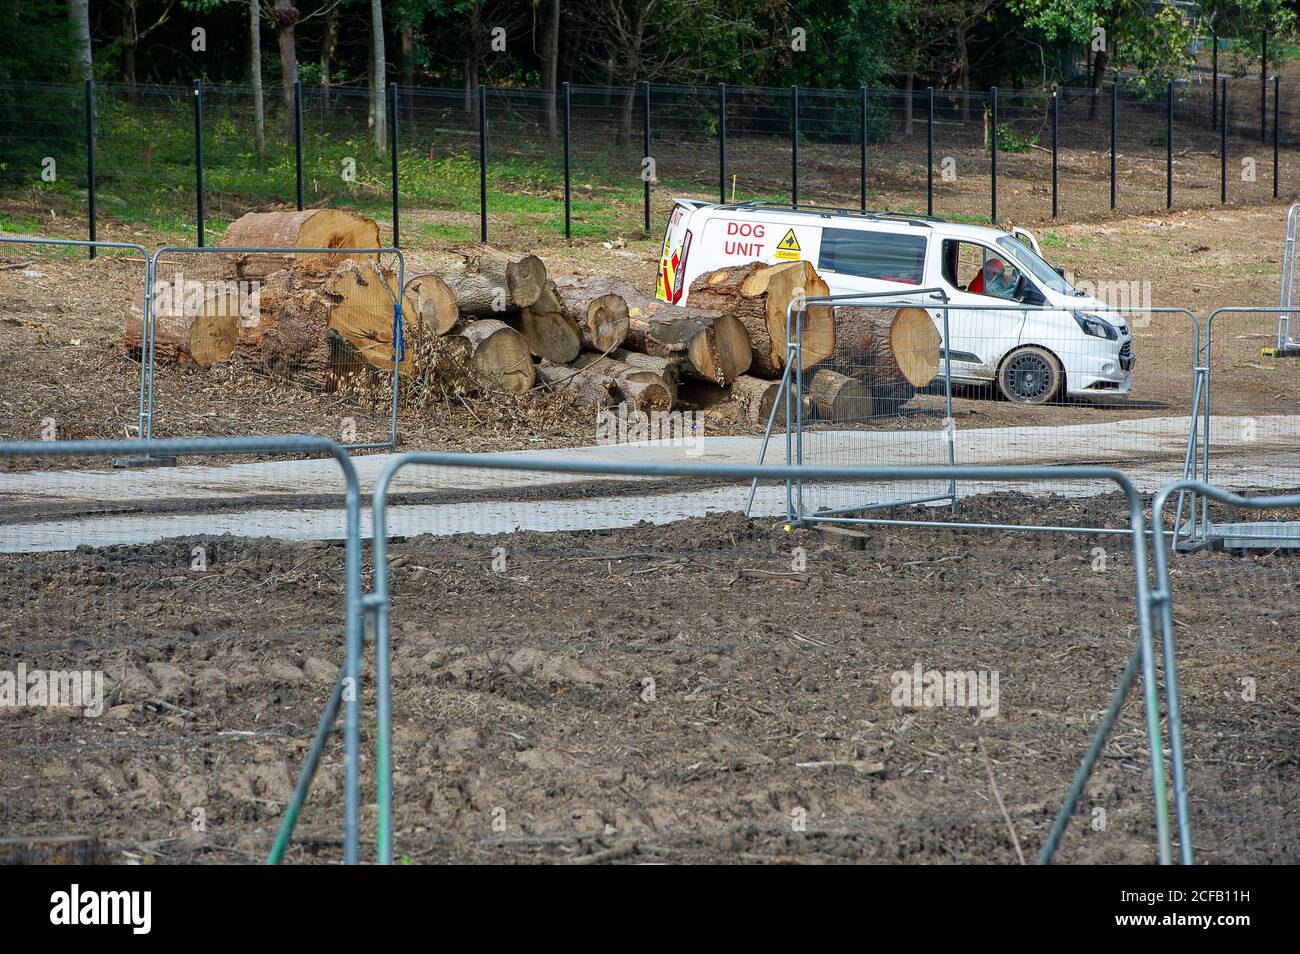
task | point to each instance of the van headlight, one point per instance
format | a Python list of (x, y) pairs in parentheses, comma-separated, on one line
[(1096, 327)]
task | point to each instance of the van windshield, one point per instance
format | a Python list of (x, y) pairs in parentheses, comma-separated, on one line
[(1035, 265)]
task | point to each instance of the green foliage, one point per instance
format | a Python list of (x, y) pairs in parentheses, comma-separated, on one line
[(37, 41), (1011, 141)]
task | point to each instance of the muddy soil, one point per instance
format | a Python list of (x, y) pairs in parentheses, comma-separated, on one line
[(702, 691)]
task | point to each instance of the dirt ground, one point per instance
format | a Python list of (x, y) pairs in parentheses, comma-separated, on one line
[(652, 692), (67, 368)]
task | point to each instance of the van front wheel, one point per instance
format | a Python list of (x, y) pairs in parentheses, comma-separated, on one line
[(1030, 375)]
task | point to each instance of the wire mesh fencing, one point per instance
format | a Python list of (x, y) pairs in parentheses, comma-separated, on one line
[(1226, 617), (64, 317), (717, 688), (972, 380), (168, 642), (260, 340)]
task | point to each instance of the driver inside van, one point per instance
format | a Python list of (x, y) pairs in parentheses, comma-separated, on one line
[(999, 280)]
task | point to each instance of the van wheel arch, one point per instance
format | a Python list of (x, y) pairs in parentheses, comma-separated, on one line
[(1057, 367)]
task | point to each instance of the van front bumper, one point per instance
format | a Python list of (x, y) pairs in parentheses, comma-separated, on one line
[(1102, 374)]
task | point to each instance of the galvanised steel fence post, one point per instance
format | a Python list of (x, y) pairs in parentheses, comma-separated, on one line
[(482, 164), (90, 164), (392, 151), (993, 153), (198, 155), (297, 142)]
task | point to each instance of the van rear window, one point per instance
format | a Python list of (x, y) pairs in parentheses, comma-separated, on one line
[(887, 256)]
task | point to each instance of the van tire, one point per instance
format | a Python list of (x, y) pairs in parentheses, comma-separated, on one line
[(1030, 375)]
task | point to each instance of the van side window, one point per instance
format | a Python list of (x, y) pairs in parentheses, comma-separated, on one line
[(887, 256)]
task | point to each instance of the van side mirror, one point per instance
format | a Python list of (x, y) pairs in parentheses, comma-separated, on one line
[(1059, 270), (1027, 292)]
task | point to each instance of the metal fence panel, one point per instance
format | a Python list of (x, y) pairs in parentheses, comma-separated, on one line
[(62, 310), (167, 641), (571, 679), (217, 339), (1227, 617)]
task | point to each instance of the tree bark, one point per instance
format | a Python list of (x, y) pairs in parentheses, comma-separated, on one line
[(601, 317), (550, 56), (312, 228), (758, 295), (893, 351), (499, 352), (488, 284), (285, 15), (709, 345), (327, 50), (379, 75), (255, 75)]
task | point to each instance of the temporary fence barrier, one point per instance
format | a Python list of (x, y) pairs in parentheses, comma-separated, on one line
[(34, 287), (166, 639), (627, 711), (217, 310), (1228, 630), (884, 421), (1253, 429)]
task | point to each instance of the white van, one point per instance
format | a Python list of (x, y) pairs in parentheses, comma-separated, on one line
[(1074, 346)]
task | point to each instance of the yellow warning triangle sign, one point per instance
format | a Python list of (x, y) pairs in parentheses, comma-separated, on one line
[(789, 243)]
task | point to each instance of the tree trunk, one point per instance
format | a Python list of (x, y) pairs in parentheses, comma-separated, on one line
[(601, 317), (488, 284), (499, 352), (327, 50), (551, 67), (667, 370), (636, 375), (709, 345), (255, 74), (312, 228), (79, 18), (130, 42), (408, 70), (758, 295), (1098, 75), (839, 398), (644, 396), (285, 15), (893, 351), (551, 334), (755, 398), (379, 75), (435, 302), (316, 326)]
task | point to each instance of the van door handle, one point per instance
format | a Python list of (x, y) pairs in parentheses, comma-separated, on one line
[(936, 296)]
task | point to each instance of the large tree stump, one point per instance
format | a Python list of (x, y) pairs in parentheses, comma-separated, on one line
[(313, 325), (894, 351), (758, 295), (311, 228), (601, 316), (488, 284), (499, 352)]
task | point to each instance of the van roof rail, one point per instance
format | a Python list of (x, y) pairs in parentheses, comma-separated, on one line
[(910, 218)]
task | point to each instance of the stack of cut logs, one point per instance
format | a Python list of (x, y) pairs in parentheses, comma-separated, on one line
[(599, 341)]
